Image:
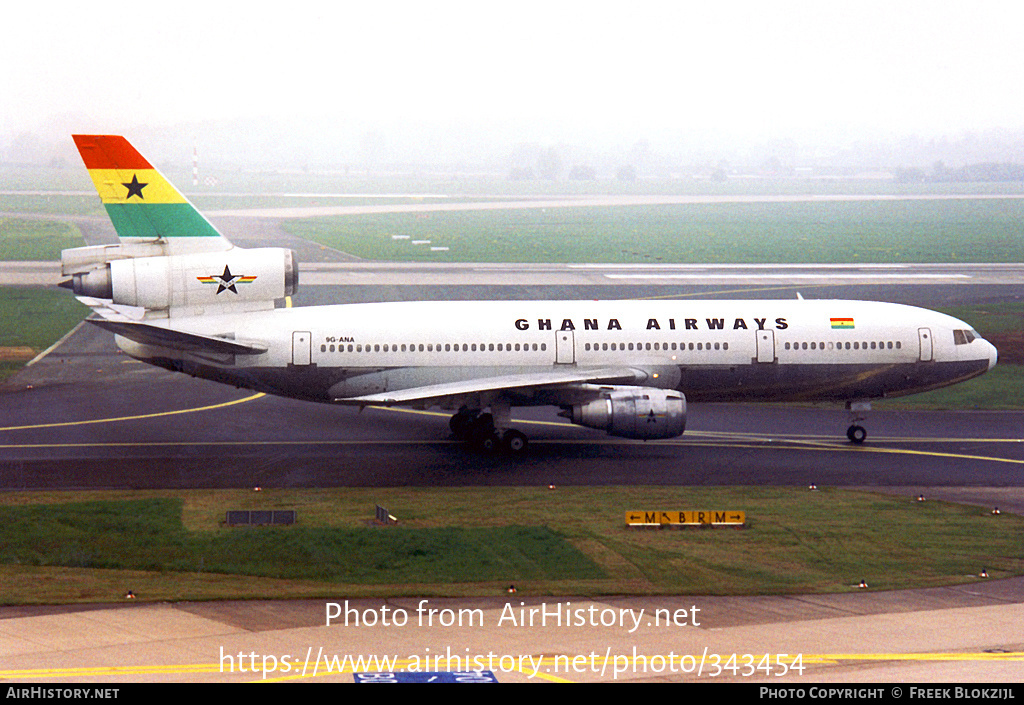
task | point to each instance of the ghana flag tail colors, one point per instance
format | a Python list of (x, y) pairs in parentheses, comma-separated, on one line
[(141, 203), (842, 323)]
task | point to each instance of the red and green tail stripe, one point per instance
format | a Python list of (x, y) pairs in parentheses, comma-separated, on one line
[(141, 202)]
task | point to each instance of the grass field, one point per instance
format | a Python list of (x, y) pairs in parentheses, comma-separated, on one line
[(31, 320), (872, 231), (475, 541), (29, 239)]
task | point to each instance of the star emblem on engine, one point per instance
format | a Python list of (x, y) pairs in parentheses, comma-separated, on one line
[(226, 281)]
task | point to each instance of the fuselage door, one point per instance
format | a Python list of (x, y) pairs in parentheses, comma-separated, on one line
[(924, 335), (301, 342), (565, 347), (765, 346)]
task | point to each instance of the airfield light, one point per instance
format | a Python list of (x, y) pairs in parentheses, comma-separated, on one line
[(995, 511), (511, 589), (863, 584), (129, 595), (813, 487), (551, 486), (920, 498), (983, 573)]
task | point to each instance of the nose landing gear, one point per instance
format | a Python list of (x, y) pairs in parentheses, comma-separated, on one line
[(857, 433)]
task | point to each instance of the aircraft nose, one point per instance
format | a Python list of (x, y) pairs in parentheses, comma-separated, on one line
[(993, 354)]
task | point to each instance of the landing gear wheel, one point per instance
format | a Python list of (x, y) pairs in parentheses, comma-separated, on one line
[(482, 434), (487, 442), (462, 423), (856, 434), (514, 441)]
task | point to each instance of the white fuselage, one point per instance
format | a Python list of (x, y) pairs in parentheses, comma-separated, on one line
[(710, 350)]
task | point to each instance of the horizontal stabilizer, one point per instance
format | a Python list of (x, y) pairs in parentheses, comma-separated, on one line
[(615, 375), (148, 334)]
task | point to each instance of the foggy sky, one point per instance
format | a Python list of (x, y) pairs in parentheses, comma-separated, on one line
[(607, 74)]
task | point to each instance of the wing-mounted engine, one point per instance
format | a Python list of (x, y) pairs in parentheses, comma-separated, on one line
[(128, 275), (633, 412)]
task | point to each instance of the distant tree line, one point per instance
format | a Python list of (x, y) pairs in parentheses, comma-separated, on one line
[(985, 171)]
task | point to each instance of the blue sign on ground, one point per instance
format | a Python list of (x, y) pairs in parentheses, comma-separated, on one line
[(427, 677)]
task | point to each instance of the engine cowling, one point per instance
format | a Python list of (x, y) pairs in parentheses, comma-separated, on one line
[(634, 412), (200, 279)]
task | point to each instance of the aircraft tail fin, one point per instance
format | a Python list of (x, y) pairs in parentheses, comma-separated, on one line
[(141, 202), (170, 261)]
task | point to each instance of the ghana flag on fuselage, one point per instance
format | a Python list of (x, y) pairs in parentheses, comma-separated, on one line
[(141, 203)]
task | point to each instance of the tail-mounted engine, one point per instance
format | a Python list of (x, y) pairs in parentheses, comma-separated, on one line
[(633, 412), (184, 280)]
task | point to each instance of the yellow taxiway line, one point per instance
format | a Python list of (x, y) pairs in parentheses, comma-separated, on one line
[(158, 414), (550, 664)]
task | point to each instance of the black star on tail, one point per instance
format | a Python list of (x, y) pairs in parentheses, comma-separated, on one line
[(134, 187)]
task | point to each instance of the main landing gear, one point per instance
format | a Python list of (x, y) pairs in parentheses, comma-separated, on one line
[(857, 433), (487, 433)]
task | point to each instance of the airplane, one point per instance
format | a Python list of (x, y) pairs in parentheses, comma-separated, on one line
[(177, 294)]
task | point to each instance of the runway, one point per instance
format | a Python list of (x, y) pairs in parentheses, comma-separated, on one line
[(616, 279)]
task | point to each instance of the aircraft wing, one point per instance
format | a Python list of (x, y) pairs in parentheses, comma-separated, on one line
[(148, 334), (126, 321), (555, 378)]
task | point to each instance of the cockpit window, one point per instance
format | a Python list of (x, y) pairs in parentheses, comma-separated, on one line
[(963, 337)]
